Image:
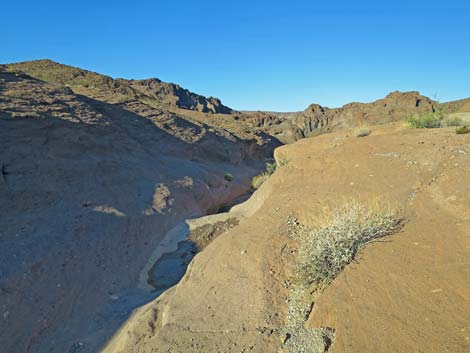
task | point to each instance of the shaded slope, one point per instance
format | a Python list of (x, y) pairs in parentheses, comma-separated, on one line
[(88, 189)]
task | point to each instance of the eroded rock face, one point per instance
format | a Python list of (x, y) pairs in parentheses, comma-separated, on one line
[(87, 190), (315, 119)]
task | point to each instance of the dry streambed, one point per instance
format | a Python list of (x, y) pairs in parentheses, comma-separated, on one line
[(170, 259)]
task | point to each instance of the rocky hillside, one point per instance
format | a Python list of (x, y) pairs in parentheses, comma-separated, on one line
[(150, 96), (316, 119), (88, 190), (406, 293), (151, 91)]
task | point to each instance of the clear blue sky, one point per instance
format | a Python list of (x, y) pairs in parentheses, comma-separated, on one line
[(267, 55)]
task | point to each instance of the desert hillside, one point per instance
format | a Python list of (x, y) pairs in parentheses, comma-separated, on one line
[(137, 216), (88, 190), (151, 91)]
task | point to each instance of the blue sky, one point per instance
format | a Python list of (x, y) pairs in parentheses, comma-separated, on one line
[(267, 55)]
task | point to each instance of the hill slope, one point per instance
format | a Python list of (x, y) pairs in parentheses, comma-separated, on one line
[(101, 87), (88, 189)]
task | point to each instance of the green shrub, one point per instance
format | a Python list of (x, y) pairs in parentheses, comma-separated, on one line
[(228, 177), (436, 119), (362, 131), (463, 130), (259, 179), (271, 168), (326, 250), (424, 121)]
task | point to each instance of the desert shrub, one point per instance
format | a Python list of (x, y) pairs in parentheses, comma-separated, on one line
[(259, 179), (228, 177), (362, 131), (271, 168), (324, 251), (424, 121), (436, 119), (433, 120), (463, 130), (452, 121)]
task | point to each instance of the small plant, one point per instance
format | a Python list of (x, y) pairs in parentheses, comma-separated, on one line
[(326, 250), (438, 118), (424, 121), (362, 131), (228, 177), (463, 130), (259, 179), (452, 121), (271, 168)]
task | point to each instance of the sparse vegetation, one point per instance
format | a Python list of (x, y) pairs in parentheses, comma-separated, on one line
[(362, 131), (323, 252), (424, 121), (452, 121), (228, 177), (326, 250), (259, 179), (271, 167), (463, 130), (439, 118)]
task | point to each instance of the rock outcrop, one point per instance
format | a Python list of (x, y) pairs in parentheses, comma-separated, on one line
[(316, 119), (151, 91)]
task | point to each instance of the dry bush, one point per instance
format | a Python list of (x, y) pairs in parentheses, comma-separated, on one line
[(463, 130), (259, 179), (324, 251), (362, 131)]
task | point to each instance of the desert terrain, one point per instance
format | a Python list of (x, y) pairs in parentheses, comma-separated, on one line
[(130, 221)]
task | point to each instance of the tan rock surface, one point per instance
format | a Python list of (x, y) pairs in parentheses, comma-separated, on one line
[(408, 293)]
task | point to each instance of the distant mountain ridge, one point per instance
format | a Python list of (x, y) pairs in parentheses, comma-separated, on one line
[(151, 91)]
